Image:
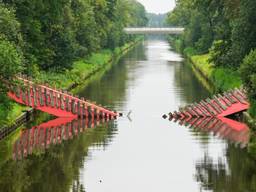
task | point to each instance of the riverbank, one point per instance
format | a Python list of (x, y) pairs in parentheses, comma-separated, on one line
[(80, 73), (221, 78), (84, 68)]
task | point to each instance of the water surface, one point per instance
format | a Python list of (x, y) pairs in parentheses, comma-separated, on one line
[(140, 152)]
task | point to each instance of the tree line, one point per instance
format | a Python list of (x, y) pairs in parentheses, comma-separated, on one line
[(50, 34), (226, 29)]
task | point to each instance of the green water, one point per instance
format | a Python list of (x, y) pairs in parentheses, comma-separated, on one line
[(140, 152)]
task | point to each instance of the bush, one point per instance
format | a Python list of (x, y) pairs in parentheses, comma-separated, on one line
[(248, 73), (219, 54), (190, 51)]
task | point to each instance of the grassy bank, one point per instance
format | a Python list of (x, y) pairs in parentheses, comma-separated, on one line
[(81, 70), (223, 79)]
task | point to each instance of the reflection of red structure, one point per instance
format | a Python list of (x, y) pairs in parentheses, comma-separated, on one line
[(223, 127), (52, 132), (229, 103), (209, 115), (57, 103)]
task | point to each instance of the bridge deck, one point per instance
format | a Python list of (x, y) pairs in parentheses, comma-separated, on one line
[(148, 30)]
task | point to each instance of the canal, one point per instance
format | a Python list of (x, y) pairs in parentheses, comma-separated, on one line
[(139, 151)]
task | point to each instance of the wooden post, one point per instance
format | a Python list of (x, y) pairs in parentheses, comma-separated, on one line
[(35, 96), (40, 95), (213, 106), (51, 98), (46, 97), (78, 108), (73, 106), (29, 96), (62, 102), (67, 103)]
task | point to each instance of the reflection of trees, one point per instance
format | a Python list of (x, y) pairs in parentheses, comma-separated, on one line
[(58, 168), (238, 174), (192, 91), (191, 87), (111, 87)]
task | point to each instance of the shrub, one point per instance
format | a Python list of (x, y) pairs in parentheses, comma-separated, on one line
[(248, 73), (219, 54), (190, 51)]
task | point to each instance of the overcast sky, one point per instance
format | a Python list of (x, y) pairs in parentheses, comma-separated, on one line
[(158, 6)]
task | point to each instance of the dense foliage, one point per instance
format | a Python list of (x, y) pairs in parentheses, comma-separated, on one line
[(57, 32), (157, 20), (47, 35), (225, 28)]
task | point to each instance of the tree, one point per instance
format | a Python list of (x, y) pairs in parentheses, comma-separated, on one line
[(244, 32), (11, 58)]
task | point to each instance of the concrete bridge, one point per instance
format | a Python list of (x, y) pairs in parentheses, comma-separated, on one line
[(150, 30)]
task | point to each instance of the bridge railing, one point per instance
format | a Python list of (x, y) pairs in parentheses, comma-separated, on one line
[(56, 102), (148, 30)]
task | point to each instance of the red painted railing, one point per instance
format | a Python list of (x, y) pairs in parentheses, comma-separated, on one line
[(55, 102), (210, 115), (54, 132), (229, 103)]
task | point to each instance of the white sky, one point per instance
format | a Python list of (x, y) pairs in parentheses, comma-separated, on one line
[(158, 6)]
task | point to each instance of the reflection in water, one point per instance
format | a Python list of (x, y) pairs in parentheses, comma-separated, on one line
[(56, 168), (224, 128), (234, 173), (54, 132), (145, 154)]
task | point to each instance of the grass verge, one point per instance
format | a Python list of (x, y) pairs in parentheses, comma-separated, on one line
[(223, 79)]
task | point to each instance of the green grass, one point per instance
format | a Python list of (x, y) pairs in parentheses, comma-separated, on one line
[(222, 78), (8, 118), (81, 69)]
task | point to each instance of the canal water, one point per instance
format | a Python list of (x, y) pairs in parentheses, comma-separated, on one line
[(139, 151)]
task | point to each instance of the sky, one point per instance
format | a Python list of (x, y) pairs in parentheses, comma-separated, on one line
[(158, 6)]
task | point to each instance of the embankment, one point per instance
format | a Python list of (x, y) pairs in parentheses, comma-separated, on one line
[(222, 79)]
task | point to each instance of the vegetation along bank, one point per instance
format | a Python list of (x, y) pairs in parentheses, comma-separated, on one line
[(220, 40), (61, 42)]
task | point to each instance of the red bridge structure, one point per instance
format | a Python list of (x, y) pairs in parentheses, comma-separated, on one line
[(211, 115), (229, 103), (56, 102)]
